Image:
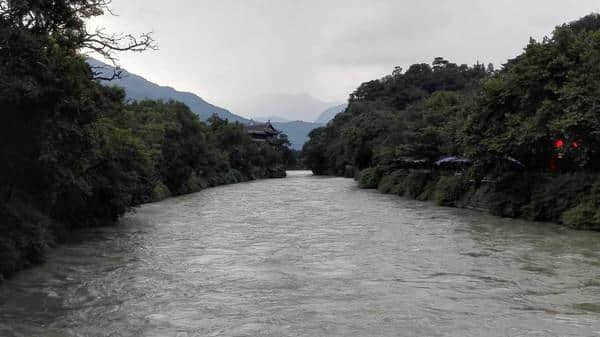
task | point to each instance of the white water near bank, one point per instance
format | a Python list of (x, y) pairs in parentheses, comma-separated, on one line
[(310, 256)]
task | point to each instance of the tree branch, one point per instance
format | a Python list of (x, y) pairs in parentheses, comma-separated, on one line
[(106, 45)]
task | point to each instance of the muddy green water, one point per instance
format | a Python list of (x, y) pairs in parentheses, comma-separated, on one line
[(310, 256)]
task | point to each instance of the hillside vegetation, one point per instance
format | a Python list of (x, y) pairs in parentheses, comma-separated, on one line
[(75, 154), (524, 140), (138, 88)]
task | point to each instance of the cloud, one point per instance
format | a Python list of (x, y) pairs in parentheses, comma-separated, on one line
[(229, 51)]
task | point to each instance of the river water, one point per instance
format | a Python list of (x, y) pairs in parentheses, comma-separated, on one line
[(310, 256)]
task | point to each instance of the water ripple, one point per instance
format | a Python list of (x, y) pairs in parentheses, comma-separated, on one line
[(310, 256)]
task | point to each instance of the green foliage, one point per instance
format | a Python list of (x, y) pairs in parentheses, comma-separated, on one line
[(416, 114), (449, 189), (550, 196), (407, 120), (75, 154), (233, 176), (369, 178), (386, 183), (25, 237), (510, 192), (393, 183), (419, 185), (161, 192), (548, 92), (586, 215), (313, 152)]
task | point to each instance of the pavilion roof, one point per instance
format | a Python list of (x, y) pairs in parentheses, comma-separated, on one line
[(262, 128)]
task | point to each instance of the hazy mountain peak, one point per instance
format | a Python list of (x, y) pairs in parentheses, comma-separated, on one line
[(271, 118), (330, 113), (299, 106), (138, 88)]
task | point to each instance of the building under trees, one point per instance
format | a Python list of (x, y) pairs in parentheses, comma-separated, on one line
[(262, 132)]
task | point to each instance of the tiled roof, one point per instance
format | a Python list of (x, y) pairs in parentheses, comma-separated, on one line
[(261, 128)]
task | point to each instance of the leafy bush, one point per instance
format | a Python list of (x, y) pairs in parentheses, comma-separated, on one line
[(196, 183), (449, 189), (586, 215), (386, 183), (553, 195), (25, 236), (510, 192), (399, 187), (417, 184), (232, 176), (277, 172), (369, 177), (160, 192)]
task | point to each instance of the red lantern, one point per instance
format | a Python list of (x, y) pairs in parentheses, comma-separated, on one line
[(559, 143)]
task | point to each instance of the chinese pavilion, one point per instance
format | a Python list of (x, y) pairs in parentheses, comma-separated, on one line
[(262, 132)]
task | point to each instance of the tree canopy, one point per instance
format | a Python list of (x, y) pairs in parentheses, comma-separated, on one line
[(532, 128), (75, 153), (548, 93)]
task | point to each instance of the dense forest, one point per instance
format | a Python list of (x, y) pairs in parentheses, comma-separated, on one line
[(75, 153), (522, 141)]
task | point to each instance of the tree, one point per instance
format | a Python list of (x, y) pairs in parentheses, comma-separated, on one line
[(58, 162), (547, 93), (439, 63)]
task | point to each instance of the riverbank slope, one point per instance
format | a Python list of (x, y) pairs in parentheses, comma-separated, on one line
[(568, 199), (521, 141)]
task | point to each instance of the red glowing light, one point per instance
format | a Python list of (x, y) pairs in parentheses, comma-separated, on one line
[(575, 145), (559, 144)]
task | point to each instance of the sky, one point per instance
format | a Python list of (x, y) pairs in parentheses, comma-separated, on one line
[(231, 51)]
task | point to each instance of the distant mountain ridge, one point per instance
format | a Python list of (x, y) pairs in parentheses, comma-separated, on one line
[(297, 131), (138, 88), (287, 106), (272, 119), (330, 113)]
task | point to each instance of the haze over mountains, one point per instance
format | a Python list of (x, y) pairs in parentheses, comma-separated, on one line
[(328, 114), (292, 114), (271, 119), (297, 131), (138, 88), (292, 107)]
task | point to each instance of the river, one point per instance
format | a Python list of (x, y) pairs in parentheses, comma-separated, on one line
[(310, 256)]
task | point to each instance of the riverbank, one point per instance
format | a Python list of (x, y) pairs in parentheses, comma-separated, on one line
[(274, 258), (34, 233), (520, 141), (571, 199)]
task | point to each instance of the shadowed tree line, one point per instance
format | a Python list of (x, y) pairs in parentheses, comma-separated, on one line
[(75, 154), (530, 131)]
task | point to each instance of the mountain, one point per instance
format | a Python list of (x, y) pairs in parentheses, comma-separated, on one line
[(297, 131), (138, 88), (290, 107), (272, 119), (328, 114)]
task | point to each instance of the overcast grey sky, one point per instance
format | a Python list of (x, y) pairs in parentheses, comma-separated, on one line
[(227, 51)]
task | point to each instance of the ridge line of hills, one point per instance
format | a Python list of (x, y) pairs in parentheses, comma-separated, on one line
[(139, 88)]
